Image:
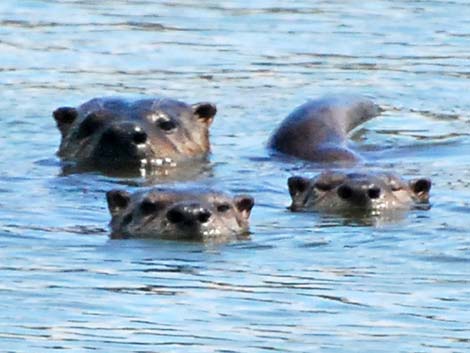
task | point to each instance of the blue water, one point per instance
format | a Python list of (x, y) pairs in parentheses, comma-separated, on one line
[(304, 282)]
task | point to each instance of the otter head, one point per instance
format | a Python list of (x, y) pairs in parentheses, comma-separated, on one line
[(336, 191), (111, 133), (179, 214)]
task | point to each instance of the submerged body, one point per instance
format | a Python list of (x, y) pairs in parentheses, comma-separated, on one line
[(338, 191), (318, 130), (179, 214), (113, 133)]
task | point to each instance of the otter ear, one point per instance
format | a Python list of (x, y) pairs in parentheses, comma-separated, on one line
[(244, 204), (420, 188), (297, 185), (118, 200), (64, 117), (204, 112)]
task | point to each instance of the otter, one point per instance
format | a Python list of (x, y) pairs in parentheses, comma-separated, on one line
[(179, 214), (112, 133), (317, 130), (339, 191)]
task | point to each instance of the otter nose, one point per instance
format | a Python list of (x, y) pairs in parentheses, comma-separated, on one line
[(373, 192), (138, 136), (188, 214), (126, 133), (347, 192)]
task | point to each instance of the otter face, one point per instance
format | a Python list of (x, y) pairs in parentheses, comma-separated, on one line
[(335, 191), (179, 214), (112, 133)]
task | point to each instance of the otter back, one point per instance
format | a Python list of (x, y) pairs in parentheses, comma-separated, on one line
[(317, 130)]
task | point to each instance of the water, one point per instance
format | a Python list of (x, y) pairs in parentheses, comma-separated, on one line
[(304, 282)]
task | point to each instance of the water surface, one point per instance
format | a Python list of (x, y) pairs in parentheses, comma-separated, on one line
[(304, 282)]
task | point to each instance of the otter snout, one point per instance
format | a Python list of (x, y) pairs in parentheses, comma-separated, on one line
[(126, 134), (188, 215), (122, 141), (359, 193)]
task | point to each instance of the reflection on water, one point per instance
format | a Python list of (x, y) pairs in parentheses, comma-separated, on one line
[(305, 281)]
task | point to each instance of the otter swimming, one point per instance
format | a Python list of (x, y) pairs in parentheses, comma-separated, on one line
[(114, 133), (317, 130), (179, 214), (338, 191)]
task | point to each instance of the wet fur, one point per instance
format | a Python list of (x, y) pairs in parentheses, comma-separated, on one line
[(229, 217), (189, 141), (318, 130), (369, 191)]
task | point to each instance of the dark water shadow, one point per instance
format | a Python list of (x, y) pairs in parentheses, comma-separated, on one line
[(187, 171)]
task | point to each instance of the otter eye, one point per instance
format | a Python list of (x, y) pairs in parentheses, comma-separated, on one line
[(126, 220), (223, 207), (166, 125), (92, 123), (323, 186)]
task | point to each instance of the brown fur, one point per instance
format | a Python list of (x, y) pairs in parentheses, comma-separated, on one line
[(317, 130), (116, 133), (337, 191), (188, 214)]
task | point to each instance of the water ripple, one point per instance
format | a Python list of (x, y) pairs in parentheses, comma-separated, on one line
[(301, 282)]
